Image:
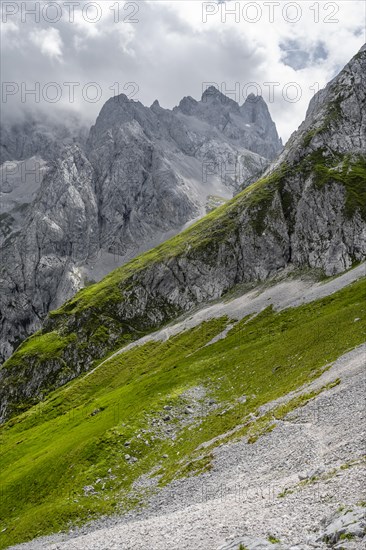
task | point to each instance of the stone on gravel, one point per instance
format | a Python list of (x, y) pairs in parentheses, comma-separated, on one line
[(249, 543), (345, 525), (89, 490), (311, 474)]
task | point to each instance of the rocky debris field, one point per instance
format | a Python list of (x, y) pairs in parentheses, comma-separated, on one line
[(301, 486)]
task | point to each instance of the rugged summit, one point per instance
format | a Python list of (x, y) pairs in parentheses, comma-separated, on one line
[(74, 209), (250, 124), (308, 211), (255, 112)]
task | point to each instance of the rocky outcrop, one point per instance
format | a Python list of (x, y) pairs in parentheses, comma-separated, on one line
[(325, 162), (343, 529), (344, 526)]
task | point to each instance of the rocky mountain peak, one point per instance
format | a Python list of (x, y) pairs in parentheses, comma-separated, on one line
[(213, 95), (255, 111), (186, 105), (142, 174), (217, 102), (332, 117), (119, 110), (253, 107), (250, 125)]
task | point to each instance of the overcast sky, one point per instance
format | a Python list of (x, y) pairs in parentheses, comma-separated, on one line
[(77, 54)]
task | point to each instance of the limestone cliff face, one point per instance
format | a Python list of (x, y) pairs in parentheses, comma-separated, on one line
[(325, 160), (39, 262), (308, 210), (73, 209)]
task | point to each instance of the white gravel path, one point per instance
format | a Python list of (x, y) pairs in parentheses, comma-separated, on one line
[(287, 293)]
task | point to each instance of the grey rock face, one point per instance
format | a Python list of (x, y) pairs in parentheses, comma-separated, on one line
[(323, 234), (344, 529), (71, 212), (40, 263), (139, 191), (250, 124)]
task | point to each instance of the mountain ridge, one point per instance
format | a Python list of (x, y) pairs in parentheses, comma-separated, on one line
[(147, 173), (291, 216)]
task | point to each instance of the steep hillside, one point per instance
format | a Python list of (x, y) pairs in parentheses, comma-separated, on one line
[(79, 208), (157, 411), (308, 211)]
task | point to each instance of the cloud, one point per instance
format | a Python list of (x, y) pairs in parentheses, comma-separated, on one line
[(294, 55), (164, 50), (49, 42)]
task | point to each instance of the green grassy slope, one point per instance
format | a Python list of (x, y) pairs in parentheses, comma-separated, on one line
[(89, 326), (76, 437)]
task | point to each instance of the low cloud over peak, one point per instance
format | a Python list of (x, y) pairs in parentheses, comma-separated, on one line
[(75, 59)]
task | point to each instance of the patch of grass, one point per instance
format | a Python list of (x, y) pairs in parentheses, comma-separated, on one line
[(44, 346), (350, 172), (285, 492), (196, 466), (273, 539), (55, 449), (261, 427), (346, 536)]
